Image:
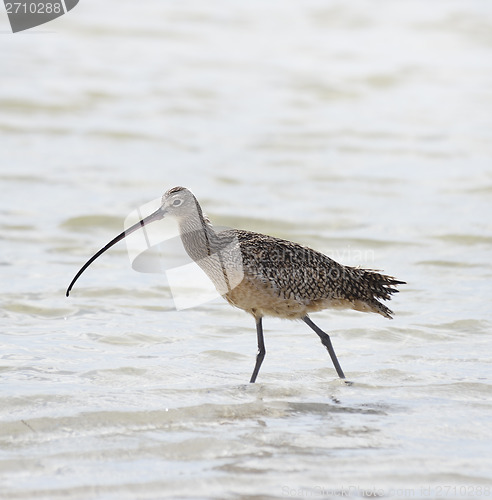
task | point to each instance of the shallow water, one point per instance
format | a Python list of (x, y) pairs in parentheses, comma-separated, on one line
[(363, 133)]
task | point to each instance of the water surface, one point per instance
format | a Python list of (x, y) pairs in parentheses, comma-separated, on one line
[(362, 132)]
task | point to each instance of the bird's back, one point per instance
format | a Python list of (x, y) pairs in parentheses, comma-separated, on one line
[(286, 279)]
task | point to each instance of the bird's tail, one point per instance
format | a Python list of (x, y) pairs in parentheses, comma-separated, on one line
[(378, 287)]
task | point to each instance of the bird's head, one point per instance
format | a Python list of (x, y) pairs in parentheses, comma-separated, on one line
[(178, 202)]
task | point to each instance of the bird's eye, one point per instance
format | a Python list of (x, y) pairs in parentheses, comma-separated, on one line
[(177, 202)]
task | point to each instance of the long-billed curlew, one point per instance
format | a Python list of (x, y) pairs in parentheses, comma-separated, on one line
[(267, 276)]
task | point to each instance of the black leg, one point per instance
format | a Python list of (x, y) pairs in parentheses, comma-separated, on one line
[(261, 350), (325, 340)]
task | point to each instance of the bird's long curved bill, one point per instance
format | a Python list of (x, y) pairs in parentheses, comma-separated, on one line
[(157, 215)]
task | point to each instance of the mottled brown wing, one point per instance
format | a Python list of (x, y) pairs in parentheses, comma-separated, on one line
[(298, 272)]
